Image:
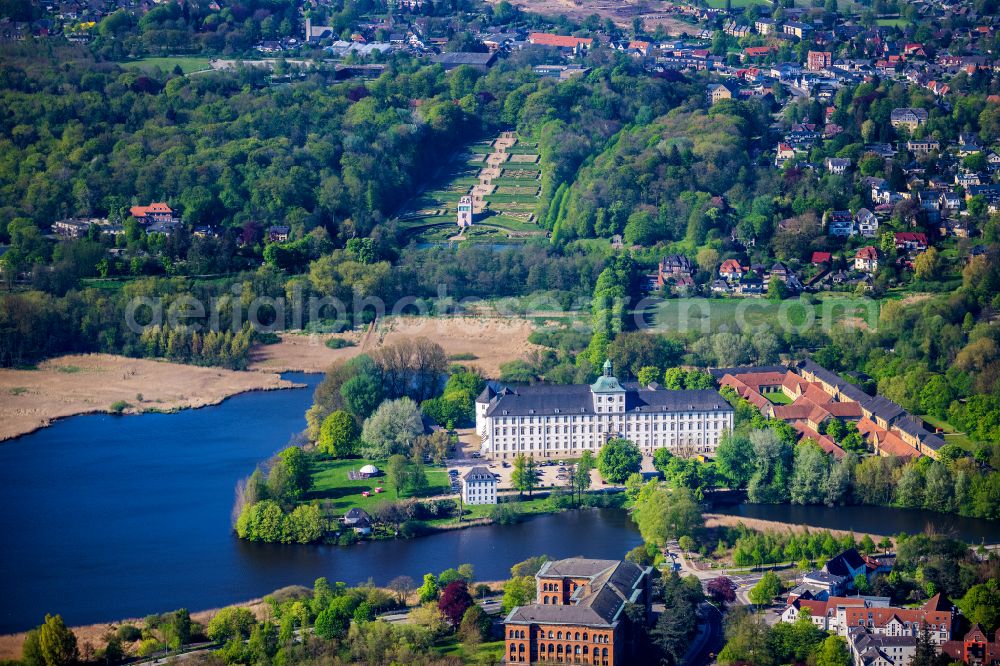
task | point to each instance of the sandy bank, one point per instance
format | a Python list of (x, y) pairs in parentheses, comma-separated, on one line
[(725, 520), (492, 341), (89, 383)]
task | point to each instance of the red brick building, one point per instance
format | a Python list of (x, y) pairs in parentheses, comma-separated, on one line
[(578, 617), (975, 649)]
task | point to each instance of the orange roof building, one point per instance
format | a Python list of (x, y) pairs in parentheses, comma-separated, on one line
[(560, 41)]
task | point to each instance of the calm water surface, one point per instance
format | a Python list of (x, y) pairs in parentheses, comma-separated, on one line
[(107, 517)]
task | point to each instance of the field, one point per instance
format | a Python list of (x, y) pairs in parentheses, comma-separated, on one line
[(652, 12), (167, 64), (336, 491), (92, 383), (715, 314), (892, 22), (490, 341)]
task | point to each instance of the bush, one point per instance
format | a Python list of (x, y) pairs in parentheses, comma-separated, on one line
[(129, 633), (412, 528), (120, 406), (339, 343), (505, 514), (267, 338)]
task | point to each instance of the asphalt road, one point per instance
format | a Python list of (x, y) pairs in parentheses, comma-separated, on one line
[(715, 640)]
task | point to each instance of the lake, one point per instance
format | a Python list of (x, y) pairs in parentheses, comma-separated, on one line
[(109, 517)]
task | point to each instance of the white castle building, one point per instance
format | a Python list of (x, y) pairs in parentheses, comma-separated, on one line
[(547, 421)]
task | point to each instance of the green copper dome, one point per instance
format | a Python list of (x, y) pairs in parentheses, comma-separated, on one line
[(607, 383)]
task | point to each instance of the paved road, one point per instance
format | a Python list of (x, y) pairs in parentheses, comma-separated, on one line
[(714, 640)]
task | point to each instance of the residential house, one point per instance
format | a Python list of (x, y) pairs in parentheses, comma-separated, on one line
[(922, 146), (750, 285), (358, 520), (735, 29), (848, 564), (866, 259), (967, 178), (673, 267), (578, 616), (278, 234), (838, 165), (638, 48), (910, 118), (832, 584), (839, 223), (479, 486), (784, 153), (719, 91), (968, 143), (910, 241), (731, 270), (866, 223), (950, 202), (154, 212)]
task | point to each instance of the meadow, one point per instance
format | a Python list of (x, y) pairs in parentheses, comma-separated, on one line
[(710, 315)]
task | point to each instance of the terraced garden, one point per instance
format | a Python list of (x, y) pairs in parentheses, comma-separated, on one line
[(502, 176)]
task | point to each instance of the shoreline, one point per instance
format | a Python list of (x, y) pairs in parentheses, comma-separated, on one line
[(761, 525), (11, 644), (85, 384)]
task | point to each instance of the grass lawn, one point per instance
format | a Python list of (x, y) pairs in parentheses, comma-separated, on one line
[(483, 653), (331, 485), (950, 434), (778, 398), (187, 64), (893, 23), (712, 314)]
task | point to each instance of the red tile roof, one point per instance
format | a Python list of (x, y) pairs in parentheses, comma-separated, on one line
[(867, 252), (821, 257), (563, 41)]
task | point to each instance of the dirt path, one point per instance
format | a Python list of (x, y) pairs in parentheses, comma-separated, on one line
[(89, 383), (489, 341)]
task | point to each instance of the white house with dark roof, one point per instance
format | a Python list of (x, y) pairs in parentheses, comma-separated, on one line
[(479, 486), (559, 421)]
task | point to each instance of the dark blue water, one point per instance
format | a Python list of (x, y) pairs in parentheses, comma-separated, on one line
[(106, 517)]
